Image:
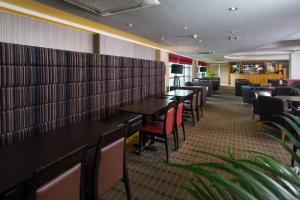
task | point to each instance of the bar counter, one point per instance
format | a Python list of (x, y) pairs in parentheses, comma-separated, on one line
[(256, 78)]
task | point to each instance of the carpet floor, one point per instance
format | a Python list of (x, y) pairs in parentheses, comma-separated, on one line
[(224, 125)]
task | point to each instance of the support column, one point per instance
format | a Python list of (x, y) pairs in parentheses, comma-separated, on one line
[(294, 68), (96, 43)]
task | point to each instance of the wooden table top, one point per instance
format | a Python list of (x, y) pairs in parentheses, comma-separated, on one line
[(146, 106), (20, 159), (289, 98), (180, 93)]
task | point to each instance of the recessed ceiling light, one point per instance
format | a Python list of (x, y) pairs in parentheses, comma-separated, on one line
[(233, 31), (195, 36), (162, 38), (199, 41), (234, 8), (130, 25), (186, 28)]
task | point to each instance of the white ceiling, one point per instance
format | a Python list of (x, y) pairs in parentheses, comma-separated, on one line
[(258, 23)]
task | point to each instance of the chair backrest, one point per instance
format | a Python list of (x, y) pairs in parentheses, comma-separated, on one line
[(59, 180), (269, 107), (179, 112), (199, 98), (169, 120), (247, 94), (266, 93), (109, 161), (284, 91), (194, 102)]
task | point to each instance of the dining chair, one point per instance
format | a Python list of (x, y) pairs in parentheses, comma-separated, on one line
[(247, 95), (199, 103), (109, 166), (160, 129), (179, 119), (61, 179), (190, 108), (270, 107), (255, 104)]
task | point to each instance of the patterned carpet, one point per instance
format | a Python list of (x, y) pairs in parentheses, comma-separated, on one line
[(224, 124)]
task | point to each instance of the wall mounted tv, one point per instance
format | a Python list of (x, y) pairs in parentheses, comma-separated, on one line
[(176, 69), (202, 69)]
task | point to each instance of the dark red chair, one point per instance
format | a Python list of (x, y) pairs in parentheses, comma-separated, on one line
[(179, 119), (160, 129), (191, 107)]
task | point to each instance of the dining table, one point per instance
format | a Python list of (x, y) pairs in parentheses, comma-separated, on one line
[(19, 160), (147, 107), (180, 93), (289, 98)]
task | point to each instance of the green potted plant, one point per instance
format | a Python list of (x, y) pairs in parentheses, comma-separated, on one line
[(259, 177), (210, 74)]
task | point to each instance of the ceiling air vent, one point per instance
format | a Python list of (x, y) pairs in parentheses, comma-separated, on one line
[(110, 7), (206, 52)]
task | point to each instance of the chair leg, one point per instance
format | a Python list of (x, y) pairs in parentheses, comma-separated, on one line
[(282, 136), (175, 138), (140, 143), (193, 118), (183, 130), (126, 181), (198, 114), (167, 150), (201, 111), (253, 116), (293, 161)]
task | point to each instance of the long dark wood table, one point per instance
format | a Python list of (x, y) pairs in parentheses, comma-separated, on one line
[(19, 160), (289, 98), (146, 107)]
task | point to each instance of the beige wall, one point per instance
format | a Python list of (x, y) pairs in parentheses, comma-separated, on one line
[(221, 70), (18, 29)]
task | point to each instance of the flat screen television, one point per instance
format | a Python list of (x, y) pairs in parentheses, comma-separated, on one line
[(176, 69), (202, 69)]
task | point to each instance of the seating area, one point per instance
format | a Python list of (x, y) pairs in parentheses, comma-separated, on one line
[(149, 99)]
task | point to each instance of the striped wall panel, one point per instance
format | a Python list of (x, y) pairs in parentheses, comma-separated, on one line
[(117, 47), (18, 29), (43, 89)]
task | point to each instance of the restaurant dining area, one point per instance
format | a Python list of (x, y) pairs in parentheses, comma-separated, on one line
[(149, 99)]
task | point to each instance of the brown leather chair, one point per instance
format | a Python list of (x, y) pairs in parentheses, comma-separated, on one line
[(109, 165), (59, 180)]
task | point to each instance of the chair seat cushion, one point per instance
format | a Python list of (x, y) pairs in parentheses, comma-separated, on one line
[(153, 127)]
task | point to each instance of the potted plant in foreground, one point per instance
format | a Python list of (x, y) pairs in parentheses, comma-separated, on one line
[(259, 177)]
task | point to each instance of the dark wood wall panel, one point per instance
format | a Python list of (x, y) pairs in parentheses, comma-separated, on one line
[(42, 89)]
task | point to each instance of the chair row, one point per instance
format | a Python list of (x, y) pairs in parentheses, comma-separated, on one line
[(172, 121), (80, 176)]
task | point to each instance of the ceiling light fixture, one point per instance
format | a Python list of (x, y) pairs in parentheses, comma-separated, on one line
[(234, 8), (199, 41), (195, 36), (162, 38), (186, 28), (130, 25)]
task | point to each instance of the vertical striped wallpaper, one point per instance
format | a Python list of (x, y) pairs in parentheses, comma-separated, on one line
[(18, 29), (117, 47), (42, 89)]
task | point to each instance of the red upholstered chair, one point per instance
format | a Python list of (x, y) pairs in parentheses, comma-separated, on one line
[(179, 119), (160, 129), (59, 180), (190, 108)]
